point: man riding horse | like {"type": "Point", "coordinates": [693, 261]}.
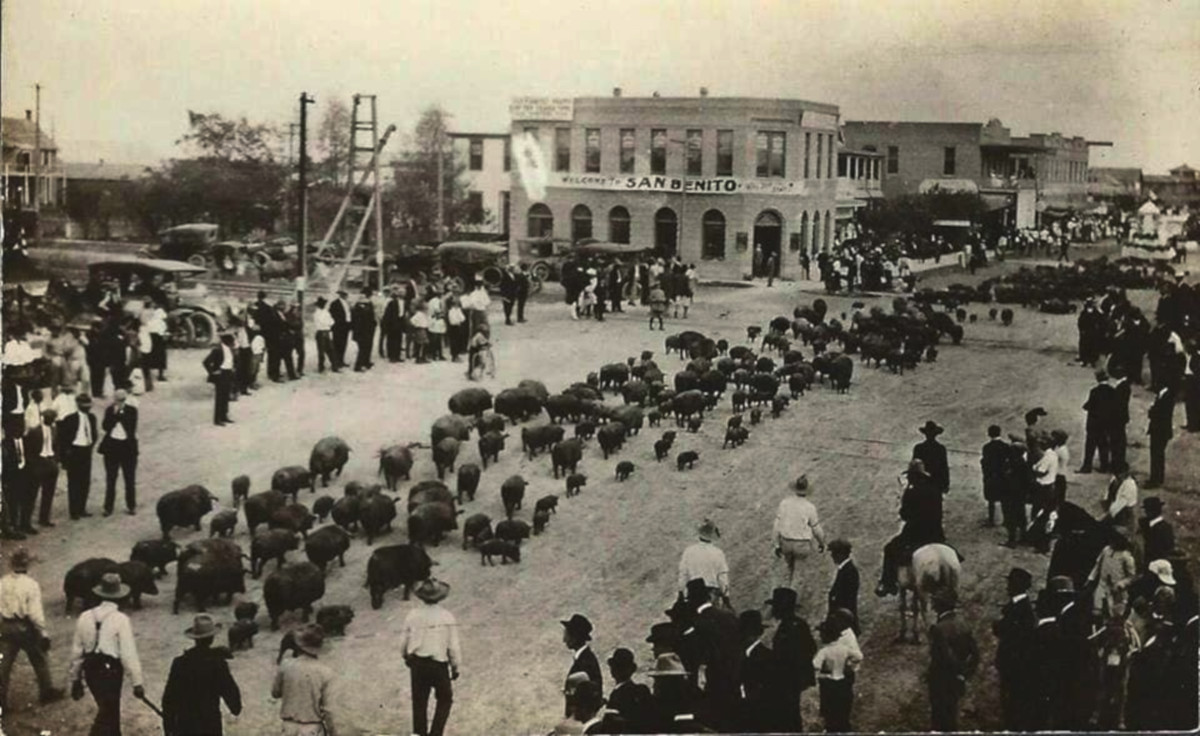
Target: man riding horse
{"type": "Point", "coordinates": [921, 512]}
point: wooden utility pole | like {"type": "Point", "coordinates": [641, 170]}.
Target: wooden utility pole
{"type": "Point", "coordinates": [37, 163]}
{"type": "Point", "coordinates": [441, 184]}
{"type": "Point", "coordinates": [302, 281]}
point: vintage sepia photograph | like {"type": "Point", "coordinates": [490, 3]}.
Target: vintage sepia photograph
{"type": "Point", "coordinates": [465, 368]}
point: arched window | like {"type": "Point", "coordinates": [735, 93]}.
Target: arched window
{"type": "Point", "coordinates": [714, 236]}
{"type": "Point", "coordinates": [666, 232]}
{"type": "Point", "coordinates": [618, 225]}
{"type": "Point", "coordinates": [581, 223]}
{"type": "Point", "coordinates": [541, 221]}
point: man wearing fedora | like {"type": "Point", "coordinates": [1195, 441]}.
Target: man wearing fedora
{"type": "Point", "coordinates": [77, 435]}
{"type": "Point", "coordinates": [339, 310]}
{"type": "Point", "coordinates": [933, 454]}
{"type": "Point", "coordinates": [1016, 651]}
{"type": "Point", "coordinates": [577, 632]}
{"type": "Point", "coordinates": [432, 652]}
{"type": "Point", "coordinates": [1158, 537]}
{"type": "Point", "coordinates": [844, 591]}
{"type": "Point", "coordinates": [793, 648]}
{"type": "Point", "coordinates": [755, 674]}
{"type": "Point", "coordinates": [41, 443]}
{"type": "Point", "coordinates": [719, 656]}
{"type": "Point", "coordinates": [1161, 429]}
{"type": "Point", "coordinates": [1101, 408]}
{"type": "Point", "coordinates": [953, 659]}
{"type": "Point", "coordinates": [219, 363]}
{"type": "Point", "coordinates": [362, 324]}
{"type": "Point", "coordinates": [629, 703]}
{"type": "Point", "coordinates": [103, 652]}
{"type": "Point", "coordinates": [921, 513]}
{"type": "Point", "coordinates": [797, 527]}
{"type": "Point", "coordinates": [705, 560]}
{"type": "Point", "coordinates": [304, 687]}
{"type": "Point", "coordinates": [120, 450]}
{"type": "Point", "coordinates": [674, 698]}
{"type": "Point", "coordinates": [23, 628]}
{"type": "Point", "coordinates": [200, 679]}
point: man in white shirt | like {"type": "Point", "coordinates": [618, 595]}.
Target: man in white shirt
{"type": "Point", "coordinates": [323, 325]}
{"type": "Point", "coordinates": [64, 402]}
{"type": "Point", "coordinates": [219, 364]}
{"type": "Point", "coordinates": [23, 628]}
{"type": "Point", "coordinates": [705, 560]}
{"type": "Point", "coordinates": [1045, 470]}
{"type": "Point", "coordinates": [1121, 500]}
{"type": "Point", "coordinates": [797, 527]}
{"type": "Point", "coordinates": [103, 652]}
{"type": "Point", "coordinates": [431, 650]}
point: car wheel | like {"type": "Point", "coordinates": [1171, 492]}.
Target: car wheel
{"type": "Point", "coordinates": [204, 330]}
{"type": "Point", "coordinates": [181, 333]}
{"type": "Point", "coordinates": [261, 258]}
{"type": "Point", "coordinates": [540, 271]}
{"type": "Point", "coordinates": [535, 285]}
{"type": "Point", "coordinates": [196, 259]}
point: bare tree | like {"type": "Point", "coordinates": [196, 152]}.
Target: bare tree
{"type": "Point", "coordinates": [333, 143]}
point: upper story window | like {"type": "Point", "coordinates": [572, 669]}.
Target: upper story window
{"type": "Point", "coordinates": [832, 153]}
{"type": "Point", "coordinates": [770, 153]}
{"type": "Point", "coordinates": [591, 158]}
{"type": "Point", "coordinates": [893, 160]}
{"type": "Point", "coordinates": [475, 162]}
{"type": "Point", "coordinates": [562, 149]}
{"type": "Point", "coordinates": [807, 152]}
{"type": "Point", "coordinates": [628, 150]}
{"type": "Point", "coordinates": [842, 160]}
{"type": "Point", "coordinates": [820, 153]}
{"type": "Point", "coordinates": [695, 153]}
{"type": "Point", "coordinates": [949, 165]}
{"type": "Point", "coordinates": [508, 154]}
{"type": "Point", "coordinates": [658, 151]}
{"type": "Point", "coordinates": [724, 153]}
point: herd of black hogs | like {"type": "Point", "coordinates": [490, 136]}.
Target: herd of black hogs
{"type": "Point", "coordinates": [761, 376]}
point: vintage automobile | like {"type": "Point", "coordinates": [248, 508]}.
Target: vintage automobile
{"type": "Point", "coordinates": [545, 256]}
{"type": "Point", "coordinates": [461, 261]}
{"type": "Point", "coordinates": [618, 251]}
{"type": "Point", "coordinates": [191, 243]}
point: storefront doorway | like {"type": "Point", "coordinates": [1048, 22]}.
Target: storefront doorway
{"type": "Point", "coordinates": [666, 233]}
{"type": "Point", "coordinates": [768, 237]}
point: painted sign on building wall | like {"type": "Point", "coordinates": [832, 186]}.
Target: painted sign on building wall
{"type": "Point", "coordinates": [542, 108]}
{"type": "Point", "coordinates": [678, 185]}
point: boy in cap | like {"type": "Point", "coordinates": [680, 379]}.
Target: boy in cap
{"type": "Point", "coordinates": [432, 652]}
{"type": "Point", "coordinates": [577, 632]}
{"type": "Point", "coordinates": [304, 685]}
{"type": "Point", "coordinates": [23, 628]}
{"type": "Point", "coordinates": [199, 680]}
{"type": "Point", "coordinates": [103, 652]}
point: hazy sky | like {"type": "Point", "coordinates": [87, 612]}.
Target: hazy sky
{"type": "Point", "coordinates": [119, 75]}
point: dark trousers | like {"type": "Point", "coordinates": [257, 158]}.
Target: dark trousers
{"type": "Point", "coordinates": [278, 351]}
{"type": "Point", "coordinates": [1117, 442]}
{"type": "Point", "coordinates": [78, 463]}
{"type": "Point", "coordinates": [944, 696]}
{"type": "Point", "coordinates": [429, 674]}
{"type": "Point", "coordinates": [785, 709]}
{"type": "Point", "coordinates": [104, 681]}
{"type": "Point", "coordinates": [297, 347]}
{"type": "Point", "coordinates": [1191, 401]}
{"type": "Point", "coordinates": [122, 460]}
{"type": "Point", "coordinates": [341, 336]}
{"type": "Point", "coordinates": [325, 351]}
{"type": "Point", "coordinates": [362, 360]}
{"type": "Point", "coordinates": [395, 343]}
{"type": "Point", "coordinates": [1158, 458]}
{"type": "Point", "coordinates": [1097, 441]}
{"type": "Point", "coordinates": [616, 301]}
{"type": "Point", "coordinates": [521, 308]}
{"type": "Point", "coordinates": [243, 361]}
{"type": "Point", "coordinates": [96, 374]}
{"type": "Point", "coordinates": [837, 697]}
{"type": "Point", "coordinates": [223, 383]}
{"type": "Point", "coordinates": [14, 491]}
{"type": "Point", "coordinates": [508, 310]}
{"type": "Point", "coordinates": [45, 481]}
{"type": "Point", "coordinates": [16, 636]}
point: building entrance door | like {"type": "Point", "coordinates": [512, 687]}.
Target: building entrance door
{"type": "Point", "coordinates": [768, 237]}
{"type": "Point", "coordinates": [666, 233]}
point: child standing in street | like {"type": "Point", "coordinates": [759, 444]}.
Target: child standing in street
{"type": "Point", "coordinates": [658, 306]}
{"type": "Point", "coordinates": [480, 353]}
{"type": "Point", "coordinates": [420, 328]}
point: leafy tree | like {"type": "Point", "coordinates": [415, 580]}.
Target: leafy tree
{"type": "Point", "coordinates": [415, 191]}
{"type": "Point", "coordinates": [333, 144]}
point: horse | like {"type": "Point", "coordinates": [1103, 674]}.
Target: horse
{"type": "Point", "coordinates": [1080, 541]}
{"type": "Point", "coordinates": [933, 567]}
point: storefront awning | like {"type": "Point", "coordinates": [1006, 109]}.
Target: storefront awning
{"type": "Point", "coordinates": [948, 185]}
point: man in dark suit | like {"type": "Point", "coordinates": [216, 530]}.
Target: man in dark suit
{"type": "Point", "coordinates": [1016, 652]}
{"type": "Point", "coordinates": [933, 454]}
{"type": "Point", "coordinates": [199, 680]}
{"type": "Point", "coordinates": [77, 434]}
{"type": "Point", "coordinates": [1158, 538]}
{"type": "Point", "coordinates": [720, 657]}
{"type": "Point", "coordinates": [793, 648]}
{"type": "Point", "coordinates": [362, 322]}
{"type": "Point", "coordinates": [339, 309]}
{"type": "Point", "coordinates": [755, 675]}
{"type": "Point", "coordinates": [953, 658]}
{"type": "Point", "coordinates": [120, 450]}
{"type": "Point", "coordinates": [1100, 408]}
{"type": "Point", "coordinates": [992, 461]}
{"type": "Point", "coordinates": [577, 632]}
{"type": "Point", "coordinates": [1120, 417]}
{"type": "Point", "coordinates": [15, 472]}
{"type": "Point", "coordinates": [1162, 417]}
{"type": "Point", "coordinates": [844, 591]}
{"type": "Point", "coordinates": [219, 364]}
{"type": "Point", "coordinates": [392, 326]}
{"type": "Point", "coordinates": [630, 703]}
{"type": "Point", "coordinates": [41, 446]}
{"type": "Point", "coordinates": [508, 291]}
{"type": "Point", "coordinates": [523, 285]}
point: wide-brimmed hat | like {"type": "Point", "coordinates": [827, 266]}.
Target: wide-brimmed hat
{"type": "Point", "coordinates": [917, 467]}
{"type": "Point", "coordinates": [668, 665]}
{"type": "Point", "coordinates": [578, 624]}
{"type": "Point", "coordinates": [111, 587]}
{"type": "Point", "coordinates": [751, 622]}
{"type": "Point", "coordinates": [1021, 575]}
{"type": "Point", "coordinates": [782, 598]}
{"type": "Point", "coordinates": [20, 559]}
{"type": "Point", "coordinates": [663, 633]}
{"type": "Point", "coordinates": [432, 591]}
{"type": "Point", "coordinates": [1152, 504]}
{"type": "Point", "coordinates": [622, 657]}
{"type": "Point", "coordinates": [203, 627]}
{"type": "Point", "coordinates": [931, 428]}
{"type": "Point", "coordinates": [800, 485]}
{"type": "Point", "coordinates": [679, 609]}
{"type": "Point", "coordinates": [1161, 569]}
{"type": "Point", "coordinates": [708, 530]}
{"type": "Point", "coordinates": [310, 638]}
{"type": "Point", "coordinates": [1061, 584]}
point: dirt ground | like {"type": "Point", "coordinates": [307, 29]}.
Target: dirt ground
{"type": "Point", "coordinates": [612, 552]}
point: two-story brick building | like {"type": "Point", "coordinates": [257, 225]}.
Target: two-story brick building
{"type": "Point", "coordinates": [708, 178]}
{"type": "Point", "coordinates": [488, 157]}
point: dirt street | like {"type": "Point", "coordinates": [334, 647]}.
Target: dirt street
{"type": "Point", "coordinates": [612, 552]}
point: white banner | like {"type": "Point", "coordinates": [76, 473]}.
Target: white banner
{"type": "Point", "coordinates": [692, 185]}
{"type": "Point", "coordinates": [542, 108]}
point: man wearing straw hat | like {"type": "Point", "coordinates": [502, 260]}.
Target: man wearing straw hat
{"type": "Point", "coordinates": [705, 560]}
{"type": "Point", "coordinates": [200, 679]}
{"type": "Point", "coordinates": [796, 527]}
{"type": "Point", "coordinates": [23, 628]}
{"type": "Point", "coordinates": [432, 652]}
{"type": "Point", "coordinates": [304, 685]}
{"type": "Point", "coordinates": [933, 454]}
{"type": "Point", "coordinates": [102, 653]}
